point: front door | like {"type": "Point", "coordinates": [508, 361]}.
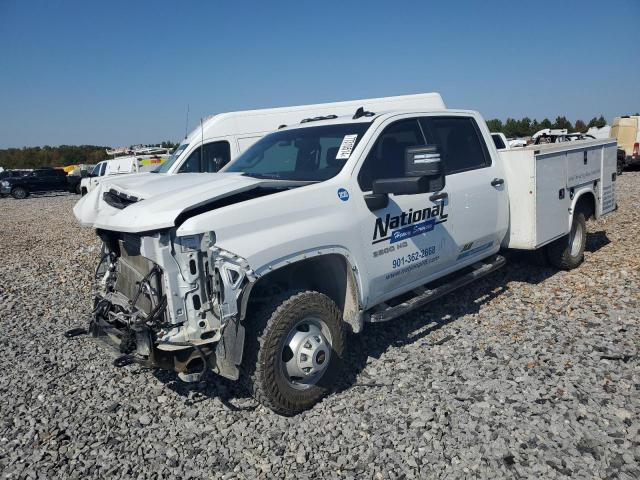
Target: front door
{"type": "Point", "coordinates": [409, 240]}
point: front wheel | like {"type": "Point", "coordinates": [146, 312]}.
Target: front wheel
{"type": "Point", "coordinates": [293, 352]}
{"type": "Point", "coordinates": [19, 193]}
{"type": "Point", "coordinates": [567, 252]}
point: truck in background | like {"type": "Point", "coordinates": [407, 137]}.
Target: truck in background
{"type": "Point", "coordinates": [319, 227]}
{"type": "Point", "coordinates": [626, 130]}
{"type": "Point", "coordinates": [121, 166]}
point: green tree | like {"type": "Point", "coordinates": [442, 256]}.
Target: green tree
{"type": "Point", "coordinates": [580, 126]}
{"type": "Point", "coordinates": [495, 125]}
{"type": "Point", "coordinates": [562, 122]}
{"type": "Point", "coordinates": [511, 127]}
{"type": "Point", "coordinates": [546, 123]}
{"type": "Point", "coordinates": [524, 127]}
{"type": "Point", "coordinates": [535, 126]}
{"type": "Point", "coordinates": [597, 122]}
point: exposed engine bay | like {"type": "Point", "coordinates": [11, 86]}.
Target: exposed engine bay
{"type": "Point", "coordinates": [171, 302]}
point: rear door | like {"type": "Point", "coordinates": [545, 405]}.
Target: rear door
{"type": "Point", "coordinates": [477, 201]}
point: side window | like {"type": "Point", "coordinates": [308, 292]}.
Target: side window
{"type": "Point", "coordinates": [386, 157]}
{"type": "Point", "coordinates": [102, 169]}
{"type": "Point", "coordinates": [498, 142]}
{"type": "Point", "coordinates": [459, 142]}
{"type": "Point", "coordinates": [216, 155]}
{"type": "Point", "coordinates": [191, 164]}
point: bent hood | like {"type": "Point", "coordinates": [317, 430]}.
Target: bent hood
{"type": "Point", "coordinates": [156, 200]}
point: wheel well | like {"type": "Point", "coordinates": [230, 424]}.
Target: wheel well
{"type": "Point", "coordinates": [587, 205]}
{"type": "Point", "coordinates": [330, 274]}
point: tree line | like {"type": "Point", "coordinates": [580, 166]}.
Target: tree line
{"type": "Point", "coordinates": [60, 156]}
{"type": "Point", "coordinates": [526, 127]}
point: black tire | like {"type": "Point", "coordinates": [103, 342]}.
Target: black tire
{"type": "Point", "coordinates": [83, 191]}
{"type": "Point", "coordinates": [19, 193]}
{"type": "Point", "coordinates": [77, 190]}
{"type": "Point", "coordinates": [567, 252]}
{"type": "Point", "coordinates": [263, 369]}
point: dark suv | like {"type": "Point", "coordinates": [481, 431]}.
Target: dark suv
{"type": "Point", "coordinates": [44, 180]}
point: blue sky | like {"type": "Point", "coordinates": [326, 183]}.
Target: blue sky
{"type": "Point", "coordinates": [116, 73]}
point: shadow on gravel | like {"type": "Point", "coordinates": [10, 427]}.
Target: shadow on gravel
{"type": "Point", "coordinates": [417, 326]}
{"type": "Point", "coordinates": [596, 240]}
{"type": "Point", "coordinates": [211, 387]}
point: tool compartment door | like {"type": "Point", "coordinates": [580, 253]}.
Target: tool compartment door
{"type": "Point", "coordinates": [607, 190]}
{"type": "Point", "coordinates": [552, 197]}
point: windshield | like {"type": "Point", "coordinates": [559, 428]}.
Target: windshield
{"type": "Point", "coordinates": [96, 169]}
{"type": "Point", "coordinates": [306, 154]}
{"type": "Point", "coordinates": [164, 167]}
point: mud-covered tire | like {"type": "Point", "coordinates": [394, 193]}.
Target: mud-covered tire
{"type": "Point", "coordinates": [19, 193]}
{"type": "Point", "coordinates": [263, 371]}
{"type": "Point", "coordinates": [567, 252]}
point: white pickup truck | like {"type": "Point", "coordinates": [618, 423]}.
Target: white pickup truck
{"type": "Point", "coordinates": [257, 272]}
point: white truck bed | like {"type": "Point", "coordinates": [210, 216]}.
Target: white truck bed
{"type": "Point", "coordinates": [542, 181]}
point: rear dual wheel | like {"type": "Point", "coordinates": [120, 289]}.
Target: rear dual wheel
{"type": "Point", "coordinates": [294, 351]}
{"type": "Point", "coordinates": [567, 252]}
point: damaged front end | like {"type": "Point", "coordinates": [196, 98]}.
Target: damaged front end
{"type": "Point", "coordinates": [172, 302]}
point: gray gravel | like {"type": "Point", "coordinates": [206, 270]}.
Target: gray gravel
{"type": "Point", "coordinates": [527, 373]}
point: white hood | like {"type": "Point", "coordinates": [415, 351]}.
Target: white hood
{"type": "Point", "coordinates": [161, 198]}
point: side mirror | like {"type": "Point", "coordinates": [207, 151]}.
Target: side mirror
{"type": "Point", "coordinates": [423, 174]}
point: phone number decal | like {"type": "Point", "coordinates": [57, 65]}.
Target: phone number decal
{"type": "Point", "coordinates": [413, 257]}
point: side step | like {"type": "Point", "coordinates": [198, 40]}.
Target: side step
{"type": "Point", "coordinates": [424, 295]}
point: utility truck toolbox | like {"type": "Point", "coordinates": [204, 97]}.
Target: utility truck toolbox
{"type": "Point", "coordinates": [546, 179]}
{"type": "Point", "coordinates": [256, 272]}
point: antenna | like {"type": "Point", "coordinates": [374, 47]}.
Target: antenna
{"type": "Point", "coordinates": [186, 124]}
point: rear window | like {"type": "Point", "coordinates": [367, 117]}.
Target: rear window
{"type": "Point", "coordinates": [459, 142]}
{"type": "Point", "coordinates": [497, 140]}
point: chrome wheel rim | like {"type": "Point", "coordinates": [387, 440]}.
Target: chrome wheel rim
{"type": "Point", "coordinates": [575, 239]}
{"type": "Point", "coordinates": [306, 353]}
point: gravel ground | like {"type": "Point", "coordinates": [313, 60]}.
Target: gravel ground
{"type": "Point", "coordinates": [526, 373]}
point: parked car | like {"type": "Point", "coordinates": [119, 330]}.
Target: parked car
{"type": "Point", "coordinates": [40, 180]}
{"type": "Point", "coordinates": [626, 130]}
{"type": "Point", "coordinates": [256, 272]}
{"type": "Point", "coordinates": [10, 174]}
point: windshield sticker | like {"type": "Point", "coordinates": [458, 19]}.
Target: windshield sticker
{"type": "Point", "coordinates": [348, 142]}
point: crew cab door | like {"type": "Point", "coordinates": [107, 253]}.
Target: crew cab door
{"type": "Point", "coordinates": [98, 173]}
{"type": "Point", "coordinates": [407, 240]}
{"type": "Point", "coordinates": [477, 201]}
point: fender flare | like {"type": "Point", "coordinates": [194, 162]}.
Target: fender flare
{"type": "Point", "coordinates": [354, 281]}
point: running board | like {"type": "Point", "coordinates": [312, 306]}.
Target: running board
{"type": "Point", "coordinates": [424, 295]}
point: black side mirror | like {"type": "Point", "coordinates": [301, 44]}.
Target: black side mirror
{"type": "Point", "coordinates": [423, 174]}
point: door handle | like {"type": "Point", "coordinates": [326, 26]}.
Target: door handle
{"type": "Point", "coordinates": [439, 196]}
{"type": "Point", "coordinates": [497, 181]}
